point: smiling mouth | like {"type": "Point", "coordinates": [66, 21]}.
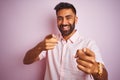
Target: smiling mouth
{"type": "Point", "coordinates": [65, 28]}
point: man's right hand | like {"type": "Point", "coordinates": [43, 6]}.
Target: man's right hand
{"type": "Point", "coordinates": [49, 42]}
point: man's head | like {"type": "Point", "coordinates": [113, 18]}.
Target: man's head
{"type": "Point", "coordinates": [66, 18]}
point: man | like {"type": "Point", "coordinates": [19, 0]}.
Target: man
{"type": "Point", "coordinates": [69, 56]}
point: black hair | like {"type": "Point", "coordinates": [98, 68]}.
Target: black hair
{"type": "Point", "coordinates": [64, 5]}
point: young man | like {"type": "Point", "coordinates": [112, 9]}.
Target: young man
{"type": "Point", "coordinates": [68, 56]}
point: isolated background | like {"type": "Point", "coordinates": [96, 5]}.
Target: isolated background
{"type": "Point", "coordinates": [24, 23]}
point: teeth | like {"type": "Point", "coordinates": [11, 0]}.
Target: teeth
{"type": "Point", "coordinates": [65, 28]}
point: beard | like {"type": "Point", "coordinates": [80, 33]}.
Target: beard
{"type": "Point", "coordinates": [67, 32]}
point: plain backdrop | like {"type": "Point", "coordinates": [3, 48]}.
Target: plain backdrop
{"type": "Point", "coordinates": [24, 23]}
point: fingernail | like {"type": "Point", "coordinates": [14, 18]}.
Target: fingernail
{"type": "Point", "coordinates": [53, 35]}
{"type": "Point", "coordinates": [84, 49]}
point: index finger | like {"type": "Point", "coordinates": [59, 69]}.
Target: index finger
{"type": "Point", "coordinates": [51, 36]}
{"type": "Point", "coordinates": [88, 52]}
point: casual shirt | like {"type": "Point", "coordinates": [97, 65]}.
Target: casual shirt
{"type": "Point", "coordinates": [61, 62]}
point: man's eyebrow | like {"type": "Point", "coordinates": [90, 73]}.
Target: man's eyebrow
{"type": "Point", "coordinates": [59, 16]}
{"type": "Point", "coordinates": [68, 16]}
{"type": "Point", "coordinates": [65, 16]}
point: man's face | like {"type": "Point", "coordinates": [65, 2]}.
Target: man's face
{"type": "Point", "coordinates": [66, 20]}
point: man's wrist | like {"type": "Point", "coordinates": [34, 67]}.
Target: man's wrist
{"type": "Point", "coordinates": [100, 69]}
{"type": "Point", "coordinates": [98, 72]}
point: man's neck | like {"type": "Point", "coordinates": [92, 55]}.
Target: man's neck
{"type": "Point", "coordinates": [67, 37]}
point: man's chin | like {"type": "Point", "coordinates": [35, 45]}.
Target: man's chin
{"type": "Point", "coordinates": [65, 34]}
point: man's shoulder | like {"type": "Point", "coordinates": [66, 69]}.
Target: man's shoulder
{"type": "Point", "coordinates": [84, 38]}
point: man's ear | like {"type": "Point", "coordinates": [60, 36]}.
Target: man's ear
{"type": "Point", "coordinates": [76, 19]}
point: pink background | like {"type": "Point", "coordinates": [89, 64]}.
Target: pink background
{"type": "Point", "coordinates": [25, 23]}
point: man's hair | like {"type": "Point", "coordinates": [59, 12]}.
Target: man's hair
{"type": "Point", "coordinates": [64, 5]}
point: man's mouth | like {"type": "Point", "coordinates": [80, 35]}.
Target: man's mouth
{"type": "Point", "coordinates": [65, 28]}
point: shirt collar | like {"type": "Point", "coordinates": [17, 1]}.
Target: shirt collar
{"type": "Point", "coordinates": [73, 38]}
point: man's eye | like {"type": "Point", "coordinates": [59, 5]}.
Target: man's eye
{"type": "Point", "coordinates": [69, 18]}
{"type": "Point", "coordinates": [59, 18]}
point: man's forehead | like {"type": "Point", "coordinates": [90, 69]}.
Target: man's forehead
{"type": "Point", "coordinates": [65, 12]}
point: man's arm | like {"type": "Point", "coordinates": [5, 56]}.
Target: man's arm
{"type": "Point", "coordinates": [32, 55]}
{"type": "Point", "coordinates": [47, 44]}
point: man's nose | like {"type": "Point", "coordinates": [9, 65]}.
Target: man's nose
{"type": "Point", "coordinates": [64, 22]}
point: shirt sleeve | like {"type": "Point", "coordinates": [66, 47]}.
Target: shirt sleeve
{"type": "Point", "coordinates": [42, 55]}
{"type": "Point", "coordinates": [92, 45]}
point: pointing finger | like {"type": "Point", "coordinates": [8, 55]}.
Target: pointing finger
{"type": "Point", "coordinates": [88, 52]}
{"type": "Point", "coordinates": [51, 36]}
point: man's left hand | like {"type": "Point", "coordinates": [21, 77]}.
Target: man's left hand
{"type": "Point", "coordinates": [85, 59]}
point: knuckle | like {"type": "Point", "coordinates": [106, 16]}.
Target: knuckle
{"type": "Point", "coordinates": [88, 71]}
{"type": "Point", "coordinates": [45, 44]}
{"type": "Point", "coordinates": [45, 41]}
{"type": "Point", "coordinates": [93, 60]}
{"type": "Point", "coordinates": [77, 60]}
{"type": "Point", "coordinates": [90, 65]}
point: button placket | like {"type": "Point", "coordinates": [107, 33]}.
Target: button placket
{"type": "Point", "coordinates": [63, 52]}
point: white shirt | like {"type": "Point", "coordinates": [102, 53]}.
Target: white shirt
{"type": "Point", "coordinates": [61, 62]}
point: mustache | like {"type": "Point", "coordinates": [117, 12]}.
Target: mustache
{"type": "Point", "coordinates": [63, 25]}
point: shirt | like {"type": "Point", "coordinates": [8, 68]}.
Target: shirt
{"type": "Point", "coordinates": [61, 62]}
